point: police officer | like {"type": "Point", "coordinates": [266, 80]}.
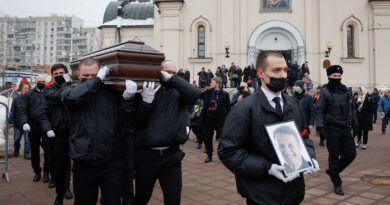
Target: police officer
{"type": "Point", "coordinates": [334, 115]}
{"type": "Point", "coordinates": [245, 148]}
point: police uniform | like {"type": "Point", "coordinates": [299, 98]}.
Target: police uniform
{"type": "Point", "coordinates": [334, 116]}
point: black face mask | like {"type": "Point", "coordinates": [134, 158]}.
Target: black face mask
{"type": "Point", "coordinates": [59, 79]}
{"type": "Point", "coordinates": [40, 86]}
{"type": "Point", "coordinates": [334, 82]}
{"type": "Point", "coordinates": [240, 88]}
{"type": "Point", "coordinates": [277, 84]}
{"type": "Point", "coordinates": [84, 79]}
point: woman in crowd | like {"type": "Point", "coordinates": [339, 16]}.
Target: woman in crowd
{"type": "Point", "coordinates": [364, 114]}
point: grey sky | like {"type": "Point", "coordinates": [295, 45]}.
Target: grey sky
{"type": "Point", "coordinates": [91, 11]}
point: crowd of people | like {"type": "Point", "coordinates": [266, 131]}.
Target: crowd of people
{"type": "Point", "coordinates": [105, 138]}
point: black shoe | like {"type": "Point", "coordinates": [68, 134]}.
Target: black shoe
{"type": "Point", "coordinates": [322, 143]}
{"type": "Point", "coordinates": [27, 156]}
{"type": "Point", "coordinates": [59, 200]}
{"type": "Point", "coordinates": [68, 194]}
{"type": "Point", "coordinates": [45, 177]}
{"type": "Point", "coordinates": [199, 146]}
{"type": "Point", "coordinates": [16, 154]}
{"type": "Point", "coordinates": [37, 177]}
{"type": "Point", "coordinates": [208, 159]}
{"type": "Point", "coordinates": [339, 190]}
{"type": "Point", "coordinates": [52, 183]}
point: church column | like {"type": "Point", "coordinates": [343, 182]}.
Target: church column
{"type": "Point", "coordinates": [170, 28]}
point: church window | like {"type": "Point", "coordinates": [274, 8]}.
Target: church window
{"type": "Point", "coordinates": [201, 42]}
{"type": "Point", "coordinates": [350, 41]}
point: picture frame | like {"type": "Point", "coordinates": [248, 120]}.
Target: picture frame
{"type": "Point", "coordinates": [275, 6]}
{"type": "Point", "coordinates": [289, 147]}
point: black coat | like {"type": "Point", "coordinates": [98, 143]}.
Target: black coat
{"type": "Point", "coordinates": [30, 110]}
{"type": "Point", "coordinates": [56, 111]}
{"type": "Point", "coordinates": [223, 106]}
{"type": "Point", "coordinates": [307, 105]}
{"type": "Point", "coordinates": [246, 150]}
{"type": "Point", "coordinates": [94, 120]}
{"type": "Point", "coordinates": [167, 123]}
{"type": "Point", "coordinates": [364, 114]}
{"type": "Point", "coordinates": [13, 112]}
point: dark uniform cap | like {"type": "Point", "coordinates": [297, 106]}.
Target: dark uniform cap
{"type": "Point", "coordinates": [334, 69]}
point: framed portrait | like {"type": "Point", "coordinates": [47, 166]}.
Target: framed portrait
{"type": "Point", "coordinates": [275, 6]}
{"type": "Point", "coordinates": [289, 147]}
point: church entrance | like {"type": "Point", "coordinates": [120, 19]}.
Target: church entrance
{"type": "Point", "coordinates": [277, 36]}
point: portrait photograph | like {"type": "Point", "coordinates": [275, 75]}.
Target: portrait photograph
{"type": "Point", "coordinates": [275, 5]}
{"type": "Point", "coordinates": [289, 147]}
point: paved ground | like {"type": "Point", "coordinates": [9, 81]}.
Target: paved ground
{"type": "Point", "coordinates": [213, 184]}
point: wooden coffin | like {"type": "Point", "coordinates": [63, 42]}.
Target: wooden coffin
{"type": "Point", "coordinates": [129, 60]}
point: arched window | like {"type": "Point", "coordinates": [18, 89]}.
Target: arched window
{"type": "Point", "coordinates": [350, 41]}
{"type": "Point", "coordinates": [201, 42]}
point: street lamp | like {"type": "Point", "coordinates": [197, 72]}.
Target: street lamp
{"type": "Point", "coordinates": [227, 46]}
{"type": "Point", "coordinates": [329, 45]}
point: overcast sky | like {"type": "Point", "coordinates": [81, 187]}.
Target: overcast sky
{"type": "Point", "coordinates": [91, 11]}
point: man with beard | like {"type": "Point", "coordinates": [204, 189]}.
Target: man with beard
{"type": "Point", "coordinates": [334, 119]}
{"type": "Point", "coordinates": [245, 148]}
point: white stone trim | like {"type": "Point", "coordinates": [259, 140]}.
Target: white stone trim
{"type": "Point", "coordinates": [282, 28]}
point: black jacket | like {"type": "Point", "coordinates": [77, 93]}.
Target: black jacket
{"type": "Point", "coordinates": [364, 113]}
{"type": "Point", "coordinates": [223, 104]}
{"type": "Point", "coordinates": [246, 150]}
{"type": "Point", "coordinates": [307, 105]}
{"type": "Point", "coordinates": [325, 103]}
{"type": "Point", "coordinates": [54, 107]}
{"type": "Point", "coordinates": [30, 110]}
{"type": "Point", "coordinates": [13, 112]}
{"type": "Point", "coordinates": [94, 120]}
{"type": "Point", "coordinates": [168, 118]}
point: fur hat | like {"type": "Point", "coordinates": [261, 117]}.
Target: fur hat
{"type": "Point", "coordinates": [334, 69]}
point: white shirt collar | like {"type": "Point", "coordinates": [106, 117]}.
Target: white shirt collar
{"type": "Point", "coordinates": [270, 96]}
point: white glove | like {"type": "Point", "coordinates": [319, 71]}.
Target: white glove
{"type": "Point", "coordinates": [148, 92]}
{"type": "Point", "coordinates": [131, 89]}
{"type": "Point", "coordinates": [277, 171]}
{"type": "Point", "coordinates": [187, 130]}
{"type": "Point", "coordinates": [103, 72]}
{"type": "Point", "coordinates": [26, 127]}
{"type": "Point", "coordinates": [313, 170]}
{"type": "Point", "coordinates": [165, 76]}
{"type": "Point", "coordinates": [50, 134]}
{"type": "Point", "coordinates": [67, 78]}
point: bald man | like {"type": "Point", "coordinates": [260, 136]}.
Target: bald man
{"type": "Point", "coordinates": [158, 153]}
{"type": "Point", "coordinates": [37, 123]}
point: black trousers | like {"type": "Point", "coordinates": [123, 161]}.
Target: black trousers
{"type": "Point", "coordinates": [198, 133]}
{"type": "Point", "coordinates": [209, 125]}
{"type": "Point", "coordinates": [87, 179]}
{"type": "Point", "coordinates": [128, 173]}
{"type": "Point", "coordinates": [150, 166]}
{"type": "Point", "coordinates": [37, 139]}
{"type": "Point", "coordinates": [342, 152]}
{"type": "Point", "coordinates": [365, 135]}
{"type": "Point", "coordinates": [59, 161]}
